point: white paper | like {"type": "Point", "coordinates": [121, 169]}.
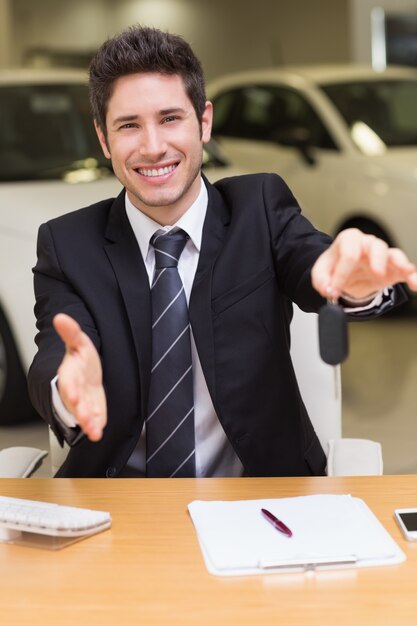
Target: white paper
{"type": "Point", "coordinates": [235, 537]}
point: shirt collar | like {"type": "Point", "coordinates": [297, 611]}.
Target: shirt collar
{"type": "Point", "coordinates": [191, 222]}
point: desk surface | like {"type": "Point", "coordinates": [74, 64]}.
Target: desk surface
{"type": "Point", "coordinates": [148, 568]}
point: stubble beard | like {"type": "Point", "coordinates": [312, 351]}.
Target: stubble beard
{"type": "Point", "coordinates": [165, 198]}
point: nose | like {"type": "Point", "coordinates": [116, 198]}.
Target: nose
{"type": "Point", "coordinates": [152, 143]}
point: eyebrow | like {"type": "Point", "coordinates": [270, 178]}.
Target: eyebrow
{"type": "Point", "coordinates": [132, 118]}
{"type": "Point", "coordinates": [124, 118]}
{"type": "Point", "coordinates": [172, 110]}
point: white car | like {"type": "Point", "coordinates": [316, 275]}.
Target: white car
{"type": "Point", "coordinates": [50, 163]}
{"type": "Point", "coordinates": [344, 138]}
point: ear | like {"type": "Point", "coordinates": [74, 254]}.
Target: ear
{"type": "Point", "coordinates": [206, 122]}
{"type": "Point", "coordinates": [102, 140]}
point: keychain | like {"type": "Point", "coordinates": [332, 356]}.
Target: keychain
{"type": "Point", "coordinates": [333, 334]}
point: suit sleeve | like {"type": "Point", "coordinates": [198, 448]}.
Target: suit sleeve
{"type": "Point", "coordinates": [295, 242]}
{"type": "Point", "coordinates": [297, 245]}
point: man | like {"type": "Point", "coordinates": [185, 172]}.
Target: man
{"type": "Point", "coordinates": [240, 253]}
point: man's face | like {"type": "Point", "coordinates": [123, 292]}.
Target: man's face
{"type": "Point", "coordinates": [155, 143]}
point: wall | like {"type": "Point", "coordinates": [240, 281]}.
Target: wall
{"type": "Point", "coordinates": [360, 23]}
{"type": "Point", "coordinates": [226, 34]}
{"type": "Point", "coordinates": [5, 33]}
{"type": "Point", "coordinates": [235, 34]}
{"type": "Point", "coordinates": [57, 24]}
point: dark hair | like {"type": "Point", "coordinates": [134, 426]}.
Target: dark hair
{"type": "Point", "coordinates": [143, 49]}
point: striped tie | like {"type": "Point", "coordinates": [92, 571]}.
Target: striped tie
{"type": "Point", "coordinates": [170, 443]}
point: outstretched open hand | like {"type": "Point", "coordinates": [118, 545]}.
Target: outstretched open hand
{"type": "Point", "coordinates": [80, 378]}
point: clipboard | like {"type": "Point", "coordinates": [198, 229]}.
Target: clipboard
{"type": "Point", "coordinates": [329, 532]}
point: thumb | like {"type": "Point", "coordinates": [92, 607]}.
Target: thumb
{"type": "Point", "coordinates": [69, 330]}
{"type": "Point", "coordinates": [322, 270]}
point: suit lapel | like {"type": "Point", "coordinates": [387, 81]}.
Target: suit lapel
{"type": "Point", "coordinates": [214, 231]}
{"type": "Point", "coordinates": [124, 255]}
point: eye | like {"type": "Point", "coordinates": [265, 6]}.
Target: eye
{"type": "Point", "coordinates": [127, 126]}
{"type": "Point", "coordinates": [170, 118]}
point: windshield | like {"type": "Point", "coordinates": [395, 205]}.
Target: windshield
{"type": "Point", "coordinates": [46, 132]}
{"type": "Point", "coordinates": [385, 109]}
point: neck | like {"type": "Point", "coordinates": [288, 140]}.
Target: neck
{"type": "Point", "coordinates": [164, 216]}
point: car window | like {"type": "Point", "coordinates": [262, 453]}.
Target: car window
{"type": "Point", "coordinates": [388, 108]}
{"type": "Point", "coordinates": [268, 113]}
{"type": "Point", "coordinates": [45, 130]}
{"type": "Point", "coordinates": [222, 107]}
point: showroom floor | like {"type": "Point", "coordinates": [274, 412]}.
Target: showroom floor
{"type": "Point", "coordinates": [379, 394]}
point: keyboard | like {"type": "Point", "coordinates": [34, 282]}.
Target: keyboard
{"type": "Point", "coordinates": [44, 518]}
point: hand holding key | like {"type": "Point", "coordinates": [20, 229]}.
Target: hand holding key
{"type": "Point", "coordinates": [358, 265]}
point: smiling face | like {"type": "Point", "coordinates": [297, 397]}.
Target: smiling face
{"type": "Point", "coordinates": [155, 143]}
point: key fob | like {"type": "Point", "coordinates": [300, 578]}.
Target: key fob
{"type": "Point", "coordinates": [333, 334]}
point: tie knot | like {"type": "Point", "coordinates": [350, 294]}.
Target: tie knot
{"type": "Point", "coordinates": [168, 248]}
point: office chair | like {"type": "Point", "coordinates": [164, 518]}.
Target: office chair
{"type": "Point", "coordinates": [320, 386]}
{"type": "Point", "coordinates": [58, 453]}
{"type": "Point", "coordinates": [20, 461]}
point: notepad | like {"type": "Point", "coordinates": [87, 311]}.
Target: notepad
{"type": "Point", "coordinates": [329, 531]}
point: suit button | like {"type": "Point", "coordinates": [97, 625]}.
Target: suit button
{"type": "Point", "coordinates": [111, 472]}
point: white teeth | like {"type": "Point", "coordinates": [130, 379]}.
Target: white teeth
{"type": "Point", "coordinates": [157, 172]}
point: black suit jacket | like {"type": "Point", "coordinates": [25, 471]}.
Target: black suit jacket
{"type": "Point", "coordinates": [256, 257]}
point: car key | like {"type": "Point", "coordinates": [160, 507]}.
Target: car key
{"type": "Point", "coordinates": [333, 334]}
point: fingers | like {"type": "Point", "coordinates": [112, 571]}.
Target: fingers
{"type": "Point", "coordinates": [362, 264]}
{"type": "Point", "coordinates": [359, 264]}
{"type": "Point", "coordinates": [89, 412]}
{"type": "Point", "coordinates": [86, 403]}
{"type": "Point", "coordinates": [376, 251]}
{"type": "Point", "coordinates": [347, 254]}
{"type": "Point", "coordinates": [412, 281]}
{"type": "Point", "coordinates": [90, 415]}
{"type": "Point", "coordinates": [402, 268]}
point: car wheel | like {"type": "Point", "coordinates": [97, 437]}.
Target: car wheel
{"type": "Point", "coordinates": [15, 406]}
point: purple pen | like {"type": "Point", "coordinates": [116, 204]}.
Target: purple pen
{"type": "Point", "coordinates": [276, 523]}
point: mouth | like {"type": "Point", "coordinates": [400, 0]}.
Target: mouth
{"type": "Point", "coordinates": [156, 172]}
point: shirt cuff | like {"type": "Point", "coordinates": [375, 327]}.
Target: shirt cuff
{"type": "Point", "coordinates": [351, 305]}
{"type": "Point", "coordinates": [61, 412]}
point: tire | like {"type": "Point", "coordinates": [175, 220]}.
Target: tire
{"type": "Point", "coordinates": [15, 406]}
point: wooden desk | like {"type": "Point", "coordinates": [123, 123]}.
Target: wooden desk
{"type": "Point", "coordinates": [148, 568]}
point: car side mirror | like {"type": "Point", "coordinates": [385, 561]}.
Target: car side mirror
{"type": "Point", "coordinates": [297, 137]}
{"type": "Point", "coordinates": [213, 155]}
